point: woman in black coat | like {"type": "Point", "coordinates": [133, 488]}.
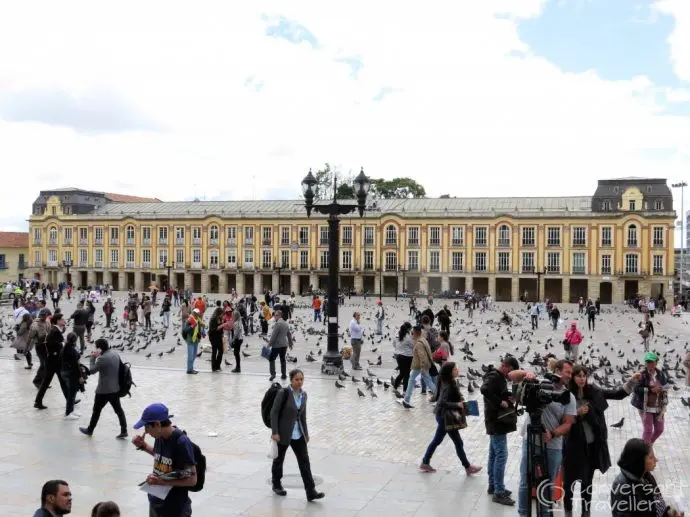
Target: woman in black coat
{"type": "Point", "coordinates": [586, 446]}
{"type": "Point", "coordinates": [71, 374]}
{"type": "Point", "coordinates": [635, 492]}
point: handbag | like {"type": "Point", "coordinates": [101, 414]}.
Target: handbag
{"type": "Point", "coordinates": [454, 419]}
{"type": "Point", "coordinates": [566, 344]}
{"type": "Point", "coordinates": [266, 352]}
{"type": "Point", "coordinates": [433, 371]}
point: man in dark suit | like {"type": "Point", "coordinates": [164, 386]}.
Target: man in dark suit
{"type": "Point", "coordinates": [289, 429]}
{"type": "Point", "coordinates": [279, 341]}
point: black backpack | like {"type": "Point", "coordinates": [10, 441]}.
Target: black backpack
{"type": "Point", "coordinates": [200, 461]}
{"type": "Point", "coordinates": [269, 399]}
{"type": "Point", "coordinates": [125, 379]}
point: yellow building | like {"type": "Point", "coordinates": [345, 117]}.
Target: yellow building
{"type": "Point", "coordinates": [14, 250]}
{"type": "Point", "coordinates": [614, 244]}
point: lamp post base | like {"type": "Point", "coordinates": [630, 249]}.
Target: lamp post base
{"type": "Point", "coordinates": [332, 364]}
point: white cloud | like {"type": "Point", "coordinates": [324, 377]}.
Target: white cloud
{"type": "Point", "coordinates": [679, 39]}
{"type": "Point", "coordinates": [465, 118]}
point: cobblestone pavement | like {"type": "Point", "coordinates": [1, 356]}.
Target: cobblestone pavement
{"type": "Point", "coordinates": [364, 451]}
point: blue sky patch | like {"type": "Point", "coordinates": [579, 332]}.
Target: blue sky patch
{"type": "Point", "coordinates": [289, 30]}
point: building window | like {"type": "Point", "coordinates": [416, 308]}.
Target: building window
{"type": "Point", "coordinates": [434, 236]}
{"type": "Point", "coordinates": [266, 235]}
{"type": "Point", "coordinates": [456, 261]}
{"type": "Point", "coordinates": [83, 257]}
{"type": "Point", "coordinates": [249, 237]}
{"type": "Point", "coordinates": [658, 264]}
{"type": "Point", "coordinates": [53, 211]}
{"type": "Point", "coordinates": [632, 236]}
{"type": "Point", "coordinates": [528, 234]}
{"type": "Point", "coordinates": [179, 235]}
{"type": "Point", "coordinates": [391, 261]}
{"type": "Point", "coordinates": [162, 234]}
{"type": "Point", "coordinates": [504, 261]}
{"type": "Point", "coordinates": [458, 236]}
{"type": "Point", "coordinates": [527, 262]}
{"type": "Point", "coordinates": [434, 260]}
{"type": "Point", "coordinates": [658, 236]}
{"type": "Point", "coordinates": [232, 259]}
{"type": "Point", "coordinates": [114, 234]}
{"type": "Point", "coordinates": [179, 258]}
{"type": "Point", "coordinates": [658, 204]}
{"type": "Point", "coordinates": [606, 205]}
{"type": "Point", "coordinates": [68, 235]}
{"type": "Point", "coordinates": [304, 235]}
{"type": "Point", "coordinates": [323, 259]}
{"type": "Point", "coordinates": [413, 236]}
{"type": "Point", "coordinates": [503, 236]}
{"type": "Point", "coordinates": [266, 259]}
{"type": "Point", "coordinates": [52, 236]}
{"type": "Point", "coordinates": [285, 236]}
{"type": "Point", "coordinates": [162, 258]}
{"type": "Point", "coordinates": [346, 259]}
{"type": "Point", "coordinates": [578, 263]}
{"type": "Point", "coordinates": [304, 259]}
{"type": "Point", "coordinates": [631, 263]}
{"type": "Point", "coordinates": [480, 237]}
{"type": "Point", "coordinates": [347, 235]}
{"type": "Point", "coordinates": [284, 258]}
{"type": "Point", "coordinates": [480, 261]}
{"type": "Point", "coordinates": [553, 236]}
{"type": "Point", "coordinates": [146, 234]}
{"type": "Point", "coordinates": [115, 258]}
{"type": "Point", "coordinates": [631, 205]}
{"type": "Point", "coordinates": [146, 258]}
{"type": "Point", "coordinates": [323, 235]}
{"type": "Point", "coordinates": [98, 235]}
{"type": "Point", "coordinates": [369, 259]}
{"type": "Point", "coordinates": [213, 259]}
{"type": "Point", "coordinates": [368, 235]}
{"type": "Point", "coordinates": [413, 261]}
{"type": "Point", "coordinates": [129, 234]}
{"type": "Point", "coordinates": [391, 235]}
{"type": "Point", "coordinates": [37, 258]}
{"type": "Point", "coordinates": [249, 258]}
{"type": "Point", "coordinates": [553, 262]}
{"type": "Point", "coordinates": [579, 236]}
{"type": "Point", "coordinates": [606, 264]}
{"type": "Point", "coordinates": [213, 234]}
{"type": "Point", "coordinates": [231, 235]}
{"type": "Point", "coordinates": [196, 257]}
{"type": "Point", "coordinates": [37, 236]}
{"type": "Point", "coordinates": [129, 257]}
{"type": "Point", "coordinates": [83, 236]}
{"type": "Point", "coordinates": [99, 257]}
{"type": "Point", "coordinates": [606, 233]}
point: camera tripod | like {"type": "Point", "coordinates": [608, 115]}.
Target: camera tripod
{"type": "Point", "coordinates": [537, 464]}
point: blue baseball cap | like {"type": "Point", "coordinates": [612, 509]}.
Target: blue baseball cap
{"type": "Point", "coordinates": [156, 412]}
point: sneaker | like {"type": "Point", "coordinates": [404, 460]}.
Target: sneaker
{"type": "Point", "coordinates": [315, 496]}
{"type": "Point", "coordinates": [503, 499]}
{"type": "Point", "coordinates": [71, 416]}
{"type": "Point", "coordinates": [236, 370]}
{"type": "Point", "coordinates": [398, 395]}
{"type": "Point", "coordinates": [85, 430]}
{"type": "Point", "coordinates": [279, 490]}
{"type": "Point", "coordinates": [425, 467]}
{"type": "Point", "coordinates": [406, 405]}
{"type": "Point", "coordinates": [472, 469]}
{"type": "Point", "coordinates": [122, 436]}
{"type": "Point", "coordinates": [40, 406]}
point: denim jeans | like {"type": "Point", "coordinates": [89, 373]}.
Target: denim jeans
{"type": "Point", "coordinates": [554, 459]}
{"type": "Point", "coordinates": [438, 438]}
{"type": "Point", "coordinates": [317, 315]}
{"type": "Point", "coordinates": [413, 379]}
{"type": "Point", "coordinates": [191, 355]}
{"type": "Point", "coordinates": [166, 318]}
{"type": "Point", "coordinates": [554, 322]}
{"type": "Point", "coordinates": [379, 327]}
{"type": "Point", "coordinates": [498, 457]}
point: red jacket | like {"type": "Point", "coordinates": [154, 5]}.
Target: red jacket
{"type": "Point", "coordinates": [574, 336]}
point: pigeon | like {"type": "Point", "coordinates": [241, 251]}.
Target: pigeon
{"type": "Point", "coordinates": [360, 393]}
{"type": "Point", "coordinates": [338, 385]}
{"type": "Point", "coordinates": [245, 354]}
{"type": "Point", "coordinates": [618, 425]}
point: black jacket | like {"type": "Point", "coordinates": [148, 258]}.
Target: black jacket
{"type": "Point", "coordinates": [80, 317]}
{"type": "Point", "coordinates": [430, 313]}
{"type": "Point", "coordinates": [632, 496]}
{"type": "Point", "coordinates": [69, 363]}
{"type": "Point", "coordinates": [495, 391]}
{"type": "Point", "coordinates": [54, 342]}
{"type": "Point", "coordinates": [443, 316]}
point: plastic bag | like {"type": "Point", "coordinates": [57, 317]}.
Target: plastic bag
{"type": "Point", "coordinates": [273, 454]}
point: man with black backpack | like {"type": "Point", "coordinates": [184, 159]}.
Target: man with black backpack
{"type": "Point", "coordinates": [591, 314]}
{"type": "Point", "coordinates": [177, 462]}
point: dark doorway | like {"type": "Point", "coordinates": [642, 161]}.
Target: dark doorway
{"type": "Point", "coordinates": [347, 282]}
{"type": "Point", "coordinates": [163, 282]}
{"type": "Point", "coordinates": [213, 283]}
{"type": "Point", "coordinates": [129, 282]}
{"type": "Point", "coordinates": [146, 280]}
{"type": "Point", "coordinates": [231, 280]}
{"type": "Point", "coordinates": [267, 282]}
{"type": "Point", "coordinates": [480, 285]}
{"type": "Point", "coordinates": [83, 278]}
{"type": "Point", "coordinates": [196, 282]}
{"type": "Point", "coordinates": [68, 277]}
{"type": "Point", "coordinates": [179, 281]}
{"type": "Point", "coordinates": [303, 285]}
{"type": "Point", "coordinates": [390, 285]}
{"type": "Point", "coordinates": [606, 292]}
{"type": "Point", "coordinates": [657, 289]}
{"type": "Point", "coordinates": [369, 284]}
{"type": "Point", "coordinates": [99, 278]}
{"type": "Point", "coordinates": [631, 289]}
{"type": "Point", "coordinates": [115, 281]}
{"type": "Point", "coordinates": [284, 286]}
{"type": "Point", "coordinates": [578, 289]}
{"type": "Point", "coordinates": [412, 284]}
{"type": "Point", "coordinates": [553, 290]}
{"type": "Point", "coordinates": [457, 283]}
{"type": "Point", "coordinates": [504, 289]}
{"type": "Point", "coordinates": [323, 282]}
{"type": "Point", "coordinates": [527, 289]}
{"type": "Point", "coordinates": [434, 285]}
{"type": "Point", "coordinates": [248, 283]}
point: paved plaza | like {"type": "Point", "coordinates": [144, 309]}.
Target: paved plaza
{"type": "Point", "coordinates": [364, 451]}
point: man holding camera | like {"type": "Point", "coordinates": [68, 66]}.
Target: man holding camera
{"type": "Point", "coordinates": [500, 418]}
{"type": "Point", "coordinates": [556, 418]}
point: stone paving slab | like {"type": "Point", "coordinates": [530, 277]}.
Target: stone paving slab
{"type": "Point", "coordinates": [365, 450]}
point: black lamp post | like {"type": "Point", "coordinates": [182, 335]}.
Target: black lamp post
{"type": "Point", "coordinates": [539, 274]}
{"type": "Point", "coordinates": [380, 271]}
{"type": "Point", "coordinates": [67, 264]}
{"type": "Point", "coordinates": [403, 271]}
{"type": "Point", "coordinates": [167, 266]}
{"type": "Point", "coordinates": [332, 361]}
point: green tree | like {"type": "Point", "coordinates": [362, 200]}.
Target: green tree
{"type": "Point", "coordinates": [346, 191]}
{"type": "Point", "coordinates": [397, 188]}
{"type": "Point", "coordinates": [324, 183]}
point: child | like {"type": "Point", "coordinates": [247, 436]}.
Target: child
{"type": "Point", "coordinates": [125, 318]}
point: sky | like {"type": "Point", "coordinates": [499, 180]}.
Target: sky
{"type": "Point", "coordinates": [237, 100]}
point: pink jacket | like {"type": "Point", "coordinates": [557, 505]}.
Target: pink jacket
{"type": "Point", "coordinates": [574, 336]}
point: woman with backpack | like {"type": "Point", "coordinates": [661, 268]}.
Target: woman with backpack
{"type": "Point", "coordinates": [289, 429]}
{"type": "Point", "coordinates": [450, 415]}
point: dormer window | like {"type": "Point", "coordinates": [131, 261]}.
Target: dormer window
{"type": "Point", "coordinates": [649, 189]}
{"type": "Point", "coordinates": [615, 190]}
{"type": "Point", "coordinates": [631, 205]}
{"type": "Point", "coordinates": [606, 205]}
{"type": "Point", "coordinates": [658, 204]}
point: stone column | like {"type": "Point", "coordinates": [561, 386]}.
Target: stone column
{"type": "Point", "coordinates": [542, 285]}
{"type": "Point", "coordinates": [222, 282]}
{"type": "Point", "coordinates": [204, 282]}
{"type": "Point", "coordinates": [445, 283]}
{"type": "Point", "coordinates": [276, 282]}
{"type": "Point", "coordinates": [618, 290]}
{"type": "Point", "coordinates": [258, 284]}
{"type": "Point", "coordinates": [138, 282]}
{"type": "Point", "coordinates": [188, 281]}
{"type": "Point", "coordinates": [424, 284]}
{"type": "Point", "coordinates": [121, 281]}
{"type": "Point", "coordinates": [239, 283]}
{"type": "Point", "coordinates": [314, 280]}
{"type": "Point", "coordinates": [514, 290]}
{"type": "Point", "coordinates": [294, 283]}
{"type": "Point", "coordinates": [469, 284]}
{"type": "Point", "coordinates": [359, 282]}
{"type": "Point", "coordinates": [566, 290]}
{"type": "Point", "coordinates": [593, 284]}
{"type": "Point", "coordinates": [492, 286]}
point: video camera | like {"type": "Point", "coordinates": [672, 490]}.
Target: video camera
{"type": "Point", "coordinates": [535, 394]}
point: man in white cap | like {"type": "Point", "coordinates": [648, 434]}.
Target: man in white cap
{"type": "Point", "coordinates": [193, 330]}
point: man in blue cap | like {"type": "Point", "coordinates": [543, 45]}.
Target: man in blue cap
{"type": "Point", "coordinates": [172, 453]}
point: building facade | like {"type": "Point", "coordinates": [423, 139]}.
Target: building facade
{"type": "Point", "coordinates": [14, 250]}
{"type": "Point", "coordinates": [612, 245]}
